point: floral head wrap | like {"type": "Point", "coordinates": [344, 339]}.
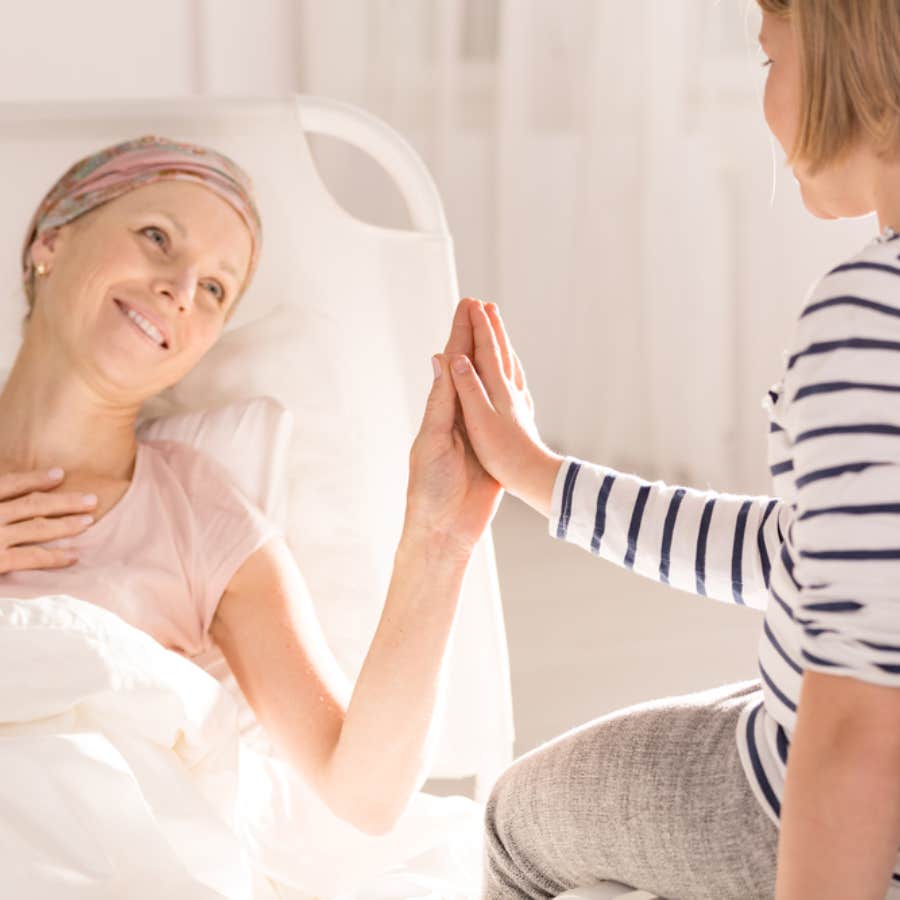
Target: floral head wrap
{"type": "Point", "coordinates": [115, 170]}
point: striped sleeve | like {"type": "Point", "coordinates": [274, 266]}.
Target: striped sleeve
{"type": "Point", "coordinates": [712, 544]}
{"type": "Point", "coordinates": [843, 419]}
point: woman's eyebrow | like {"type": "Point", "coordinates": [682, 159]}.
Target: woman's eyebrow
{"type": "Point", "coordinates": [225, 266]}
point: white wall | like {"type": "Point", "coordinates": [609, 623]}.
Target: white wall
{"type": "Point", "coordinates": [104, 49]}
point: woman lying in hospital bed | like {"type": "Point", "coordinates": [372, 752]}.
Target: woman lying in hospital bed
{"type": "Point", "coordinates": [132, 265]}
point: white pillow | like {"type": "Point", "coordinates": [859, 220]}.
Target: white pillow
{"type": "Point", "coordinates": [250, 438]}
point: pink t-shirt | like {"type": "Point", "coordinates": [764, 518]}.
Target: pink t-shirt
{"type": "Point", "coordinates": [164, 554]}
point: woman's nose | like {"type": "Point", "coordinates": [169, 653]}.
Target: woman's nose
{"type": "Point", "coordinates": [180, 290]}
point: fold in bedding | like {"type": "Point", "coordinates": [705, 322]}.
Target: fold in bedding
{"type": "Point", "coordinates": [122, 774]}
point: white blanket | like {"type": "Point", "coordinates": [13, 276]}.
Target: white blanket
{"type": "Point", "coordinates": [122, 774]}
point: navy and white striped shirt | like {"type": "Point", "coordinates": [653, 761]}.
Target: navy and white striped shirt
{"type": "Point", "coordinates": [822, 555]}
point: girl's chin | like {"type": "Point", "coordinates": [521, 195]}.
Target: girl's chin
{"type": "Point", "coordinates": [825, 199]}
{"type": "Point", "coordinates": [819, 213]}
{"type": "Point", "coordinates": [813, 205]}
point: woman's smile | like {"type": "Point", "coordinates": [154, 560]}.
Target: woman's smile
{"type": "Point", "coordinates": [143, 325]}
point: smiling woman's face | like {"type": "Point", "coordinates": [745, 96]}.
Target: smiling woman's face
{"type": "Point", "coordinates": [172, 254]}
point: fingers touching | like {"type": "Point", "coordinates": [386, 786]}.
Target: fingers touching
{"type": "Point", "coordinates": [493, 314]}
{"type": "Point", "coordinates": [488, 356]}
{"type": "Point", "coordinates": [478, 333]}
{"type": "Point", "coordinates": [460, 340]}
{"type": "Point", "coordinates": [474, 398]}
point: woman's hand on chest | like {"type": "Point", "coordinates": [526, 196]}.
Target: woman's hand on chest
{"type": "Point", "coordinates": [32, 512]}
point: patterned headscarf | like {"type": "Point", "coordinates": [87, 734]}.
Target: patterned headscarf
{"type": "Point", "coordinates": [115, 170]}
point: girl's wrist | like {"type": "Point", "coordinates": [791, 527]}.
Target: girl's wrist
{"type": "Point", "coordinates": [536, 478]}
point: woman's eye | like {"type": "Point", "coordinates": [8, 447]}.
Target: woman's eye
{"type": "Point", "coordinates": [768, 62]}
{"type": "Point", "coordinates": [221, 291]}
{"type": "Point", "coordinates": [154, 228]}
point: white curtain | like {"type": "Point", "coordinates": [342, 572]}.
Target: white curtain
{"type": "Point", "coordinates": [608, 178]}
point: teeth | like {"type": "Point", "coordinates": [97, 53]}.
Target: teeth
{"type": "Point", "coordinates": [147, 327]}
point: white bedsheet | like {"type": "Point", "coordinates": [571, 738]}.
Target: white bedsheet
{"type": "Point", "coordinates": [122, 774]}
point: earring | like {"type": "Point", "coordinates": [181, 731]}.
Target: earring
{"type": "Point", "coordinates": [41, 269]}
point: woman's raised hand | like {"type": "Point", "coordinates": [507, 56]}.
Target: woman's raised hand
{"type": "Point", "coordinates": [451, 499]}
{"type": "Point", "coordinates": [30, 514]}
{"type": "Point", "coordinates": [499, 411]}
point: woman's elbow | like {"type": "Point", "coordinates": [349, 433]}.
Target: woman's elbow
{"type": "Point", "coordinates": [364, 806]}
{"type": "Point", "coordinates": [378, 825]}
{"type": "Point", "coordinates": [368, 817]}
{"type": "Point", "coordinates": [357, 805]}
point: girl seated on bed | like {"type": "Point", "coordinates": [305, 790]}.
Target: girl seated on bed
{"type": "Point", "coordinates": [132, 265]}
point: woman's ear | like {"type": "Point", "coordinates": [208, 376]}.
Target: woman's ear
{"type": "Point", "coordinates": [45, 246]}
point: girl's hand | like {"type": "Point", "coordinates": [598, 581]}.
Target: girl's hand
{"type": "Point", "coordinates": [451, 498]}
{"type": "Point", "coordinates": [30, 515]}
{"type": "Point", "coordinates": [499, 411]}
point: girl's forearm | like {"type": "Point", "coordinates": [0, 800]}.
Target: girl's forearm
{"type": "Point", "coordinates": [381, 756]}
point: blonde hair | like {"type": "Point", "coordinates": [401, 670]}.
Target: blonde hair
{"type": "Point", "coordinates": [849, 52]}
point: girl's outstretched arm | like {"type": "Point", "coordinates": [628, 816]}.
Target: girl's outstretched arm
{"type": "Point", "coordinates": [713, 544]}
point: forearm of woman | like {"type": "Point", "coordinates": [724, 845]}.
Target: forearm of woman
{"type": "Point", "coordinates": [840, 821]}
{"type": "Point", "coordinates": [382, 753]}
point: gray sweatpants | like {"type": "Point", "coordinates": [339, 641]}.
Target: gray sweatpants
{"type": "Point", "coordinates": [652, 795]}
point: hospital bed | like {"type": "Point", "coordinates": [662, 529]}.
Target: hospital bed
{"type": "Point", "coordinates": [313, 394]}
